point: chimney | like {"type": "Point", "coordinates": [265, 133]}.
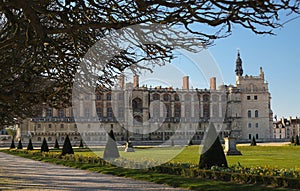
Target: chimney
{"type": "Point", "coordinates": [185, 84]}
{"type": "Point", "coordinates": [121, 81]}
{"type": "Point", "coordinates": [135, 81]}
{"type": "Point", "coordinates": [213, 83]}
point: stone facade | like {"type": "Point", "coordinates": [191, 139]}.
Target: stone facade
{"type": "Point", "coordinates": [160, 114]}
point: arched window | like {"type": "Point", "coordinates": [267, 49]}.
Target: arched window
{"type": "Point", "coordinates": [256, 113]}
{"type": "Point", "coordinates": [249, 113]}
{"type": "Point", "coordinates": [49, 112]}
{"type": "Point", "coordinates": [108, 96]}
{"type": "Point", "coordinates": [49, 139]}
{"type": "Point", "coordinates": [61, 113]}
{"type": "Point", "coordinates": [176, 97]}
{"type": "Point", "coordinates": [249, 125]}
{"type": "Point", "coordinates": [156, 97]}
{"type": "Point", "coordinates": [166, 97]}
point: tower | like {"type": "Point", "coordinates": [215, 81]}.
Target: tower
{"type": "Point", "coordinates": [238, 65]}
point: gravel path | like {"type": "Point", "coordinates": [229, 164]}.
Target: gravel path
{"type": "Point", "coordinates": [17, 173]}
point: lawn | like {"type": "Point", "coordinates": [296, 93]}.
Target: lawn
{"type": "Point", "coordinates": [273, 156]}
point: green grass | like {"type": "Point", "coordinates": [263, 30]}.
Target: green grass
{"type": "Point", "coordinates": [273, 156]}
{"type": "Point", "coordinates": [172, 180]}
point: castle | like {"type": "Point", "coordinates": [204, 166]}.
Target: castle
{"type": "Point", "coordinates": [156, 115]}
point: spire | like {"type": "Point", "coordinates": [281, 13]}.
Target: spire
{"type": "Point", "coordinates": [238, 65]}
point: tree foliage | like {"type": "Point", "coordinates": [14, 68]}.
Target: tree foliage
{"type": "Point", "coordinates": [81, 144]}
{"type": "Point", "coordinates": [297, 141]}
{"type": "Point", "coordinates": [253, 141]}
{"type": "Point", "coordinates": [56, 145]}
{"type": "Point", "coordinates": [12, 145]}
{"type": "Point", "coordinates": [111, 150]}
{"type": "Point", "coordinates": [44, 147]}
{"type": "Point", "coordinates": [30, 146]}
{"type": "Point", "coordinates": [20, 146]}
{"type": "Point", "coordinates": [212, 152]}
{"type": "Point", "coordinates": [43, 42]}
{"type": "Point", "coordinates": [67, 147]}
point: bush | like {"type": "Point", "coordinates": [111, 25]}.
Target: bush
{"type": "Point", "coordinates": [12, 145]}
{"type": "Point", "coordinates": [67, 147]}
{"type": "Point", "coordinates": [297, 140]}
{"type": "Point", "coordinates": [20, 146]}
{"type": "Point", "coordinates": [56, 145]}
{"type": "Point", "coordinates": [30, 146]}
{"type": "Point", "coordinates": [111, 150]}
{"type": "Point", "coordinates": [44, 147]}
{"type": "Point", "coordinates": [212, 152]}
{"type": "Point", "coordinates": [253, 142]}
{"type": "Point", "coordinates": [81, 144]}
{"type": "Point", "coordinates": [292, 140]}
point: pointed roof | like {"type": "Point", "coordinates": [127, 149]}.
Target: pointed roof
{"type": "Point", "coordinates": [238, 65]}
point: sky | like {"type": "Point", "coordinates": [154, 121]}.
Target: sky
{"type": "Point", "coordinates": [278, 55]}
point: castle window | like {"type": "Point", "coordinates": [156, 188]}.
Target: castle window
{"type": "Point", "coordinates": [87, 112]}
{"type": "Point", "coordinates": [249, 125]}
{"type": "Point", "coordinates": [177, 110]}
{"type": "Point", "coordinates": [108, 96]}
{"type": "Point", "coordinates": [109, 112]}
{"type": "Point", "coordinates": [250, 136]}
{"type": "Point", "coordinates": [60, 113]}
{"type": "Point", "coordinates": [62, 126]}
{"type": "Point", "coordinates": [98, 97]}
{"type": "Point", "coordinates": [256, 136]}
{"type": "Point", "coordinates": [256, 113]}
{"type": "Point", "coordinates": [39, 126]}
{"type": "Point", "coordinates": [49, 112]}
{"type": "Point", "coordinates": [75, 126]}
{"type": "Point", "coordinates": [176, 97]}
{"type": "Point", "coordinates": [206, 98]}
{"type": "Point", "coordinates": [248, 97]}
{"type": "Point", "coordinates": [255, 97]}
{"type": "Point", "coordinates": [49, 126]}
{"type": "Point", "coordinates": [166, 97]}
{"type": "Point", "coordinates": [49, 139]}
{"type": "Point", "coordinates": [99, 112]}
{"type": "Point", "coordinates": [256, 125]}
{"type": "Point", "coordinates": [249, 113]}
{"type": "Point", "coordinates": [156, 97]}
{"type": "Point", "coordinates": [39, 139]}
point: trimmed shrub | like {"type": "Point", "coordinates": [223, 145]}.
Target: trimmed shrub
{"type": "Point", "coordinates": [292, 140]}
{"type": "Point", "coordinates": [253, 142]}
{"type": "Point", "coordinates": [30, 146]}
{"type": "Point", "coordinates": [56, 145]}
{"type": "Point", "coordinates": [12, 145]}
{"type": "Point", "coordinates": [20, 146]}
{"type": "Point", "coordinates": [81, 144]}
{"type": "Point", "coordinates": [67, 147]}
{"type": "Point", "coordinates": [212, 151]}
{"type": "Point", "coordinates": [44, 147]}
{"type": "Point", "coordinates": [297, 140]}
{"type": "Point", "coordinates": [111, 150]}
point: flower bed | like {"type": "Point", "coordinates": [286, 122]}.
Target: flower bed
{"type": "Point", "coordinates": [287, 178]}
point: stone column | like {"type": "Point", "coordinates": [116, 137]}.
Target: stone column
{"type": "Point", "coordinates": [230, 146]}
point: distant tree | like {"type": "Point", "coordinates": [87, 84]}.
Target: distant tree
{"type": "Point", "coordinates": [81, 144]}
{"type": "Point", "coordinates": [30, 146]}
{"type": "Point", "coordinates": [297, 140]}
{"type": "Point", "coordinates": [56, 145]}
{"type": "Point", "coordinates": [12, 145]}
{"type": "Point", "coordinates": [67, 147]}
{"type": "Point", "coordinates": [111, 150]}
{"type": "Point", "coordinates": [253, 142]}
{"type": "Point", "coordinates": [20, 146]}
{"type": "Point", "coordinates": [292, 140]}
{"type": "Point", "coordinates": [44, 147]}
{"type": "Point", "coordinates": [44, 40]}
{"type": "Point", "coordinates": [212, 152]}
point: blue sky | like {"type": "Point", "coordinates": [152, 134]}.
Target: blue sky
{"type": "Point", "coordinates": [279, 56]}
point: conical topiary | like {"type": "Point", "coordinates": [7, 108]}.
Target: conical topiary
{"type": "Point", "coordinates": [297, 140]}
{"type": "Point", "coordinates": [56, 145]}
{"type": "Point", "coordinates": [44, 147]}
{"type": "Point", "coordinates": [30, 146]}
{"type": "Point", "coordinates": [81, 144]}
{"type": "Point", "coordinates": [292, 140]}
{"type": "Point", "coordinates": [67, 147]}
{"type": "Point", "coordinates": [111, 150]}
{"type": "Point", "coordinates": [212, 152]}
{"type": "Point", "coordinates": [20, 146]}
{"type": "Point", "coordinates": [253, 142]}
{"type": "Point", "coordinates": [12, 145]}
